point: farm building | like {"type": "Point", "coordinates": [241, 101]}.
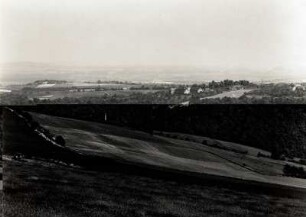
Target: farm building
{"type": "Point", "coordinates": [298, 87]}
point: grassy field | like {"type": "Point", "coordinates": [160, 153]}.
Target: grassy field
{"type": "Point", "coordinates": [37, 188]}
{"type": "Point", "coordinates": [139, 147]}
{"type": "Point", "coordinates": [42, 187]}
{"type": "Point", "coordinates": [210, 141]}
{"type": "Point", "coordinates": [65, 93]}
{"type": "Point", "coordinates": [232, 94]}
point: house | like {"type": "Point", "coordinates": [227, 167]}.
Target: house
{"type": "Point", "coordinates": [298, 87]}
{"type": "Point", "coordinates": [187, 90]}
{"type": "Point", "coordinates": [200, 90]}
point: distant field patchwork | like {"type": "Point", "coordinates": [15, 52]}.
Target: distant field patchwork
{"type": "Point", "coordinates": [231, 94]}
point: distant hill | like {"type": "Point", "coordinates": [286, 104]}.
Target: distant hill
{"type": "Point", "coordinates": [26, 72]}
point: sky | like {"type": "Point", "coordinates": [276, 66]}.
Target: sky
{"type": "Point", "coordinates": [262, 35]}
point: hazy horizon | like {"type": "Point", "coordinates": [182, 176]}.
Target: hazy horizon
{"type": "Point", "coordinates": [215, 39]}
{"type": "Point", "coordinates": [25, 72]}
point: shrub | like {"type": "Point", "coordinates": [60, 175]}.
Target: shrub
{"type": "Point", "coordinates": [294, 171]}
{"type": "Point", "coordinates": [259, 154]}
{"type": "Point", "coordinates": [276, 155]}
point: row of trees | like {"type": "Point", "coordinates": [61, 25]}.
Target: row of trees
{"type": "Point", "coordinates": [245, 99]}
{"type": "Point", "coordinates": [228, 83]}
{"type": "Point", "coordinates": [37, 82]}
{"type": "Point", "coordinates": [34, 125]}
{"type": "Point", "coordinates": [294, 171]}
{"type": "Point", "coordinates": [278, 90]}
{"type": "Point", "coordinates": [279, 129]}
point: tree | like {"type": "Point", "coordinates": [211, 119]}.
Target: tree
{"type": "Point", "coordinates": [294, 171]}
{"type": "Point", "coordinates": [194, 89]}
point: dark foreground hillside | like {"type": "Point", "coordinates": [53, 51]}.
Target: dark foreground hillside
{"type": "Point", "coordinates": [41, 181]}
{"type": "Point", "coordinates": [38, 188]}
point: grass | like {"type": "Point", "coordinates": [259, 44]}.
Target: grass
{"type": "Point", "coordinates": [216, 143]}
{"type": "Point", "coordinates": [36, 188]}
{"type": "Point", "coordinates": [139, 147]}
{"type": "Point", "coordinates": [232, 94]}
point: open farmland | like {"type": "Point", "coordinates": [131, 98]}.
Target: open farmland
{"type": "Point", "coordinates": [231, 94]}
{"type": "Point", "coordinates": [53, 95]}
{"type": "Point", "coordinates": [43, 188]}
{"type": "Point", "coordinates": [52, 91]}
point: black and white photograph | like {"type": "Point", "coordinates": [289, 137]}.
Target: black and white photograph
{"type": "Point", "coordinates": [152, 108]}
{"type": "Point", "coordinates": [153, 52]}
{"type": "Point", "coordinates": [154, 160]}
